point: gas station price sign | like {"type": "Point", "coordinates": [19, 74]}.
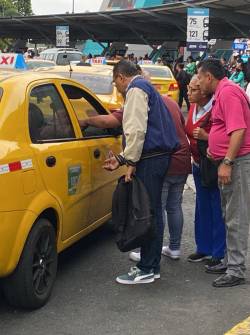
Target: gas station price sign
{"type": "Point", "coordinates": [197, 29]}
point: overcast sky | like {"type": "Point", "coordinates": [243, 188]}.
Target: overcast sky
{"type": "Point", "coordinates": [41, 7]}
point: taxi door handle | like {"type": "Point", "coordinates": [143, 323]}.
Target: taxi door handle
{"type": "Point", "coordinates": [97, 153]}
{"type": "Point", "coordinates": [51, 161]}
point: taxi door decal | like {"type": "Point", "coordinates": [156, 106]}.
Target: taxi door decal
{"type": "Point", "coordinates": [74, 173]}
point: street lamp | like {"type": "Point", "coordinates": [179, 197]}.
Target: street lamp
{"type": "Point", "coordinates": [73, 6]}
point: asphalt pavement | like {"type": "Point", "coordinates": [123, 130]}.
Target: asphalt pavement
{"type": "Point", "coordinates": [87, 301]}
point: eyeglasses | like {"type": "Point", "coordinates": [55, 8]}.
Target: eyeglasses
{"type": "Point", "coordinates": [193, 90]}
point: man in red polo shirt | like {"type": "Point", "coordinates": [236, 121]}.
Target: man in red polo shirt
{"type": "Point", "coordinates": [229, 141]}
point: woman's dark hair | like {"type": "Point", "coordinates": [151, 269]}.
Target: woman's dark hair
{"type": "Point", "coordinates": [180, 65]}
{"type": "Point", "coordinates": [126, 68]}
{"type": "Point", "coordinates": [190, 58]}
{"type": "Point", "coordinates": [214, 67]}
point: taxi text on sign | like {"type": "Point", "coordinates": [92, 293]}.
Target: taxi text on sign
{"type": "Point", "coordinates": [12, 61]}
{"type": "Point", "coordinates": [197, 29]}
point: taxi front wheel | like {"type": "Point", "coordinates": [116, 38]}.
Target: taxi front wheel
{"type": "Point", "coordinates": [31, 283]}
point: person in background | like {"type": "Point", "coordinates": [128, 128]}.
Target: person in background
{"type": "Point", "coordinates": [229, 143]}
{"type": "Point", "coordinates": [190, 66]}
{"type": "Point", "coordinates": [159, 61]}
{"type": "Point", "coordinates": [209, 225]}
{"type": "Point", "coordinates": [150, 140]}
{"type": "Point", "coordinates": [183, 80]}
{"type": "Point", "coordinates": [225, 66]}
{"type": "Point", "coordinates": [238, 76]}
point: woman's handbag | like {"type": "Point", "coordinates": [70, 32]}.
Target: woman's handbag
{"type": "Point", "coordinates": [208, 167]}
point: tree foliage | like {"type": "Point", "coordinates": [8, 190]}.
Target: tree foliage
{"type": "Point", "coordinates": [15, 7]}
{"type": "Point", "coordinates": [23, 7]}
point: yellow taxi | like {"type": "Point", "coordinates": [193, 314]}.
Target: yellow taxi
{"type": "Point", "coordinates": [54, 190]}
{"type": "Point", "coordinates": [98, 78]}
{"type": "Point", "coordinates": [163, 80]}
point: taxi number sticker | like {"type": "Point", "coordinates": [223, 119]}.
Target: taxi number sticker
{"type": "Point", "coordinates": [74, 173]}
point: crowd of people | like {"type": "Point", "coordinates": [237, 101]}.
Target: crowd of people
{"type": "Point", "coordinates": [159, 147]}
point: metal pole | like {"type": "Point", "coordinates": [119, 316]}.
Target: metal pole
{"type": "Point", "coordinates": [73, 7]}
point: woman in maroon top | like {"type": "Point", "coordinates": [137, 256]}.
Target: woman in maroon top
{"type": "Point", "coordinates": [209, 225]}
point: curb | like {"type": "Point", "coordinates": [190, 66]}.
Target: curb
{"type": "Point", "coordinates": [242, 328]}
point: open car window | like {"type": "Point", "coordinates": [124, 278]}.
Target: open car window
{"type": "Point", "coordinates": [48, 116]}
{"type": "Point", "coordinates": [86, 106]}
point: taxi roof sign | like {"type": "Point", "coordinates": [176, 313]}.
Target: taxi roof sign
{"type": "Point", "coordinates": [12, 61]}
{"type": "Point", "coordinates": [145, 62]}
{"type": "Point", "coordinates": [98, 61]}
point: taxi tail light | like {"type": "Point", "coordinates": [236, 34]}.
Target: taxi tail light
{"type": "Point", "coordinates": [173, 87]}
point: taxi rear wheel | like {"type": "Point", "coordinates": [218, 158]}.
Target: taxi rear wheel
{"type": "Point", "coordinates": [31, 283]}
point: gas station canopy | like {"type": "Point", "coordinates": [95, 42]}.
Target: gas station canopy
{"type": "Point", "coordinates": [229, 19]}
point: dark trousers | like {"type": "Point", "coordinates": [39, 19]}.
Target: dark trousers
{"type": "Point", "coordinates": [210, 234]}
{"type": "Point", "coordinates": [152, 172]}
{"type": "Point", "coordinates": [183, 95]}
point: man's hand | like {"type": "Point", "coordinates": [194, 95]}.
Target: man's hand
{"type": "Point", "coordinates": [129, 173]}
{"type": "Point", "coordinates": [111, 163]}
{"type": "Point", "coordinates": [200, 134]}
{"type": "Point", "coordinates": [209, 156]}
{"type": "Point", "coordinates": [224, 174]}
{"type": "Point", "coordinates": [83, 124]}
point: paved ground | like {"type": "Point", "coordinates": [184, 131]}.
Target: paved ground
{"type": "Point", "coordinates": [87, 301]}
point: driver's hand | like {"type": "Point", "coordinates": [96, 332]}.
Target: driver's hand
{"type": "Point", "coordinates": [83, 124]}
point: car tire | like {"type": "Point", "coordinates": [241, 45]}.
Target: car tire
{"type": "Point", "coordinates": [30, 285]}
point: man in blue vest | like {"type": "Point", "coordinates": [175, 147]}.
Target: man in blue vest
{"type": "Point", "coordinates": [150, 138]}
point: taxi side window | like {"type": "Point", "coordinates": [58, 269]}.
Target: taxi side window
{"type": "Point", "coordinates": [48, 117]}
{"type": "Point", "coordinates": [86, 106]}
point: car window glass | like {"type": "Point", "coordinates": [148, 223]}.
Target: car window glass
{"type": "Point", "coordinates": [67, 57]}
{"type": "Point", "coordinates": [99, 84]}
{"type": "Point", "coordinates": [48, 117]}
{"type": "Point", "coordinates": [162, 72]}
{"type": "Point", "coordinates": [85, 106]}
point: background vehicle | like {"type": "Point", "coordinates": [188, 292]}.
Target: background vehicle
{"type": "Point", "coordinates": [61, 56]}
{"type": "Point", "coordinates": [98, 78]}
{"type": "Point", "coordinates": [53, 187]}
{"type": "Point", "coordinates": [163, 80]}
{"type": "Point", "coordinates": [37, 63]}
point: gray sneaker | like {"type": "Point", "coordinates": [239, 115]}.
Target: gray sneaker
{"type": "Point", "coordinates": [173, 254]}
{"type": "Point", "coordinates": [136, 276]}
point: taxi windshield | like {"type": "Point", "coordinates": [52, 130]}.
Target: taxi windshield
{"type": "Point", "coordinates": [1, 93]}
{"type": "Point", "coordinates": [96, 83]}
{"type": "Point", "coordinates": [160, 72]}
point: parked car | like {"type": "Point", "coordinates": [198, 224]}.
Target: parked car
{"type": "Point", "coordinates": [163, 80]}
{"type": "Point", "coordinates": [98, 78]}
{"type": "Point", "coordinates": [54, 190]}
{"type": "Point", "coordinates": [38, 63]}
{"type": "Point", "coordinates": [61, 56]}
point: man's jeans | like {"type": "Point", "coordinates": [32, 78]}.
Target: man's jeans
{"type": "Point", "coordinates": [235, 199]}
{"type": "Point", "coordinates": [152, 171]}
{"type": "Point", "coordinates": [172, 204]}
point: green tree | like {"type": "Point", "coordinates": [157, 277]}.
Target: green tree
{"type": "Point", "coordinates": [7, 8]}
{"type": "Point", "coordinates": [23, 7]}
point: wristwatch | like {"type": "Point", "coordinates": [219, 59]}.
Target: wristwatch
{"type": "Point", "coordinates": [228, 161]}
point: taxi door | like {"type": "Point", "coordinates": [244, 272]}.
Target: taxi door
{"type": "Point", "coordinates": [64, 165]}
{"type": "Point", "coordinates": [99, 142]}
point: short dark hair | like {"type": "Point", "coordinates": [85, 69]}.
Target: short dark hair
{"type": "Point", "coordinates": [127, 68]}
{"type": "Point", "coordinates": [213, 66]}
{"type": "Point", "coordinates": [180, 65]}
